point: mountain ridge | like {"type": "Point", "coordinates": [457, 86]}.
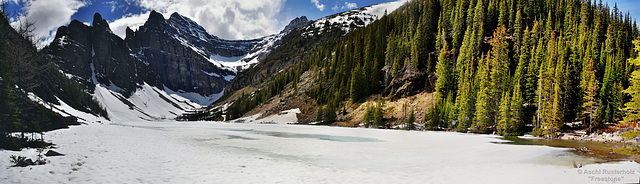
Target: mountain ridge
{"type": "Point", "coordinates": [174, 60]}
{"type": "Point", "coordinates": [287, 55]}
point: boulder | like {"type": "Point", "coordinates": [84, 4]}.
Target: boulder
{"type": "Point", "coordinates": [52, 153]}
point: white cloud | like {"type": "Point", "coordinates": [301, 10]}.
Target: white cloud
{"type": "Point", "coordinates": [133, 21]}
{"type": "Point", "coordinates": [318, 5]}
{"type": "Point", "coordinates": [346, 6]}
{"type": "Point", "coordinates": [228, 19]}
{"type": "Point", "coordinates": [113, 5]}
{"type": "Point", "coordinates": [48, 16]}
{"type": "Point", "coordinates": [349, 6]}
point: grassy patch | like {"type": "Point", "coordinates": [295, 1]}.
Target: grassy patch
{"type": "Point", "coordinates": [628, 150]}
{"type": "Point", "coordinates": [630, 134]}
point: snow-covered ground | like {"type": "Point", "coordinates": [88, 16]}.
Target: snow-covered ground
{"type": "Point", "coordinates": [260, 50]}
{"type": "Point", "coordinates": [214, 152]}
{"type": "Point", "coordinates": [284, 117]}
{"type": "Point", "coordinates": [148, 103]}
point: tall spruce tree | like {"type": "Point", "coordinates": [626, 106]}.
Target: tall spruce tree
{"type": "Point", "coordinates": [516, 116]}
{"type": "Point", "coordinates": [633, 106]}
{"type": "Point", "coordinates": [589, 87]}
{"type": "Point", "coordinates": [504, 124]}
{"type": "Point", "coordinates": [444, 83]}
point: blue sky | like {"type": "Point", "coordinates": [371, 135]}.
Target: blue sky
{"type": "Point", "coordinates": [228, 19]}
{"type": "Point", "coordinates": [632, 6]}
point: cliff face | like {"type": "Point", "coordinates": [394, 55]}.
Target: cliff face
{"type": "Point", "coordinates": [295, 23]}
{"type": "Point", "coordinates": [153, 54]}
{"type": "Point", "coordinates": [176, 53]}
{"type": "Point", "coordinates": [175, 58]}
{"type": "Point", "coordinates": [170, 62]}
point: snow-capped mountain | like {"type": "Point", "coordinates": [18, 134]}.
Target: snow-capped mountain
{"type": "Point", "coordinates": [352, 19]}
{"type": "Point", "coordinates": [166, 67]}
{"type": "Point", "coordinates": [233, 55]}
{"type": "Point", "coordinates": [305, 38]}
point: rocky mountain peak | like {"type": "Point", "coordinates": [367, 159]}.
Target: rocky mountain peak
{"type": "Point", "coordinates": [297, 22]}
{"type": "Point", "coordinates": [186, 26]}
{"type": "Point", "coordinates": [99, 23]}
{"type": "Point", "coordinates": [62, 31]}
{"type": "Point", "coordinates": [155, 17]}
{"type": "Point", "coordinates": [175, 15]}
{"type": "Point", "coordinates": [175, 55]}
{"type": "Point", "coordinates": [129, 33]}
{"type": "Point", "coordinates": [75, 24]}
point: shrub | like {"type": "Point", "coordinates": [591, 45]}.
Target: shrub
{"type": "Point", "coordinates": [20, 161]}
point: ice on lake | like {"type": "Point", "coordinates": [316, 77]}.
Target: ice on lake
{"type": "Point", "coordinates": [216, 152]}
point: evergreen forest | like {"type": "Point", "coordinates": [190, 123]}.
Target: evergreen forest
{"type": "Point", "coordinates": [494, 65]}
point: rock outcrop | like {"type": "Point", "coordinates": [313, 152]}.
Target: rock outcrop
{"type": "Point", "coordinates": [162, 58]}
{"type": "Point", "coordinates": [295, 23]}
{"type": "Point", "coordinates": [163, 53]}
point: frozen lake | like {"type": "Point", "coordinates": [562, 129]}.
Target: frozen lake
{"type": "Point", "coordinates": [214, 152]}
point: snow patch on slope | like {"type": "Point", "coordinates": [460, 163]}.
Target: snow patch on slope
{"type": "Point", "coordinates": [148, 103]}
{"type": "Point", "coordinates": [65, 110]}
{"type": "Point", "coordinates": [239, 63]}
{"type": "Point", "coordinates": [194, 97]}
{"type": "Point", "coordinates": [352, 19]}
{"type": "Point", "coordinates": [284, 117]}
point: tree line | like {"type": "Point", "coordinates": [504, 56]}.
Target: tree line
{"type": "Point", "coordinates": [501, 65]}
{"type": "Point", "coordinates": [23, 71]}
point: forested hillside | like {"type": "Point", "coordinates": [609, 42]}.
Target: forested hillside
{"type": "Point", "coordinates": [25, 76]}
{"type": "Point", "coordinates": [494, 65]}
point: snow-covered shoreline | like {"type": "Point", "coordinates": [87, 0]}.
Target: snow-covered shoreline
{"type": "Point", "coordinates": [215, 152]}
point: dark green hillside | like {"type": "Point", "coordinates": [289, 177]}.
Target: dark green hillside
{"type": "Point", "coordinates": [24, 70]}
{"type": "Point", "coordinates": [494, 65]}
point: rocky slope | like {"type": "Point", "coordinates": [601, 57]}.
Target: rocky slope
{"type": "Point", "coordinates": [174, 61]}
{"type": "Point", "coordinates": [297, 45]}
{"type": "Point", "coordinates": [32, 90]}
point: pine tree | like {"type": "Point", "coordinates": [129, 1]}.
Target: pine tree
{"type": "Point", "coordinates": [357, 87]}
{"type": "Point", "coordinates": [418, 48]}
{"type": "Point", "coordinates": [516, 116]}
{"type": "Point", "coordinates": [459, 26]}
{"type": "Point", "coordinates": [443, 27]}
{"type": "Point", "coordinates": [329, 114]}
{"type": "Point", "coordinates": [546, 88]}
{"type": "Point", "coordinates": [485, 107]}
{"type": "Point", "coordinates": [555, 118]}
{"type": "Point", "coordinates": [444, 83]}
{"type": "Point", "coordinates": [412, 119]}
{"type": "Point", "coordinates": [390, 53]}
{"type": "Point", "coordinates": [517, 34]}
{"type": "Point", "coordinates": [609, 94]}
{"type": "Point", "coordinates": [465, 100]}
{"type": "Point", "coordinates": [367, 119]}
{"type": "Point", "coordinates": [448, 109]}
{"type": "Point", "coordinates": [504, 123]}
{"type": "Point", "coordinates": [378, 113]}
{"type": "Point", "coordinates": [12, 115]}
{"type": "Point", "coordinates": [560, 86]}
{"type": "Point", "coordinates": [499, 63]}
{"type": "Point", "coordinates": [319, 114]}
{"type": "Point", "coordinates": [469, 52]}
{"type": "Point", "coordinates": [502, 18]}
{"type": "Point", "coordinates": [494, 80]}
{"type": "Point", "coordinates": [478, 30]}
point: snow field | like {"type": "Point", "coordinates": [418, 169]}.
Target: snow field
{"type": "Point", "coordinates": [214, 152]}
